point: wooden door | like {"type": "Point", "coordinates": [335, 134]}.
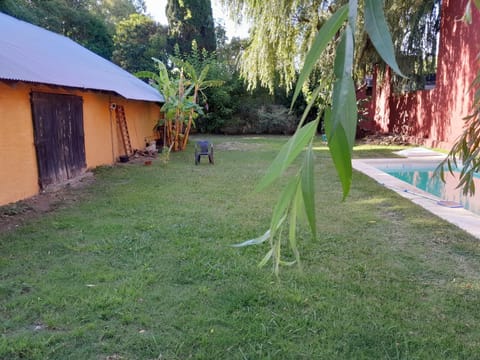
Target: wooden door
{"type": "Point", "coordinates": [59, 136]}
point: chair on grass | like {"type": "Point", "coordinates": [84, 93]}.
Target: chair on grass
{"type": "Point", "coordinates": [203, 148]}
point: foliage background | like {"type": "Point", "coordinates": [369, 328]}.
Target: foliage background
{"type": "Point", "coordinates": [120, 31]}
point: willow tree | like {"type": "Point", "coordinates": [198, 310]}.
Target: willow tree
{"type": "Point", "coordinates": [282, 32]}
{"type": "Point", "coordinates": [415, 29]}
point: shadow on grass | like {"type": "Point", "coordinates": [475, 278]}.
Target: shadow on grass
{"type": "Point", "coordinates": [363, 151]}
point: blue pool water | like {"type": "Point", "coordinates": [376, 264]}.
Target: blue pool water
{"type": "Point", "coordinates": [424, 178]}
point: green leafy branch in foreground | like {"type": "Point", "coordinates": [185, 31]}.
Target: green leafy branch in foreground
{"type": "Point", "coordinates": [340, 126]}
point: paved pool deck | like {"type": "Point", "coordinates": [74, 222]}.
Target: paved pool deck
{"type": "Point", "coordinates": [460, 217]}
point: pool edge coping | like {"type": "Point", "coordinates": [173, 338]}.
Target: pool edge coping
{"type": "Point", "coordinates": [464, 219]}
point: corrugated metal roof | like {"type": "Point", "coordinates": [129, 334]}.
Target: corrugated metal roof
{"type": "Point", "coordinates": [30, 53]}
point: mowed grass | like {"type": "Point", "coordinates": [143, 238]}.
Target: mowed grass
{"type": "Point", "coordinates": [141, 267]}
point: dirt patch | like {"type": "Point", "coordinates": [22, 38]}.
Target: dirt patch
{"type": "Point", "coordinates": [140, 157]}
{"type": "Point", "coordinates": [55, 197]}
{"type": "Point", "coordinates": [237, 146]}
{"type": "Point", "coordinates": [387, 139]}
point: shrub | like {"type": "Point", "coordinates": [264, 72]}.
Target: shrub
{"type": "Point", "coordinates": [275, 119]}
{"type": "Point", "coordinates": [262, 119]}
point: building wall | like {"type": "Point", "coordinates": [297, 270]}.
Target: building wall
{"type": "Point", "coordinates": [18, 164]}
{"type": "Point", "coordinates": [141, 118]}
{"type": "Point", "coordinates": [435, 117]}
{"type": "Point", "coordinates": [103, 146]}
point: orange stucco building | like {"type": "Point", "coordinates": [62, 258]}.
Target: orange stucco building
{"type": "Point", "coordinates": [34, 101]}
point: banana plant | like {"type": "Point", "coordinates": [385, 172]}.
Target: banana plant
{"type": "Point", "coordinates": [199, 83]}
{"type": "Point", "coordinates": [179, 106]}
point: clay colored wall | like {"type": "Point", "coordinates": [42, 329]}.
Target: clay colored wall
{"type": "Point", "coordinates": [435, 117]}
{"type": "Point", "coordinates": [141, 117]}
{"type": "Point", "coordinates": [18, 164]}
{"type": "Point", "coordinates": [103, 144]}
{"type": "Point", "coordinates": [97, 129]}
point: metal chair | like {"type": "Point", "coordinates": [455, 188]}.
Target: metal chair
{"type": "Point", "coordinates": [203, 148]}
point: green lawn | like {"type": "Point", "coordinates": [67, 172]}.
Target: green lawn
{"type": "Point", "coordinates": [141, 267]}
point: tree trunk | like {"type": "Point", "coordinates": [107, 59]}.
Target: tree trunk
{"type": "Point", "coordinates": [190, 120]}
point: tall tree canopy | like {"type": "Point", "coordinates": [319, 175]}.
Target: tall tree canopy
{"type": "Point", "coordinates": [137, 39]}
{"type": "Point", "coordinates": [114, 11]}
{"type": "Point", "coordinates": [283, 30]}
{"type": "Point", "coordinates": [75, 19]}
{"type": "Point", "coordinates": [190, 20]}
{"type": "Point", "coordinates": [92, 23]}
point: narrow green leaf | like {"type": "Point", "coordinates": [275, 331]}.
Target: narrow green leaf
{"type": "Point", "coordinates": [308, 189]}
{"type": "Point", "coordinates": [379, 33]}
{"type": "Point", "coordinates": [337, 143]}
{"type": "Point", "coordinates": [284, 201]}
{"type": "Point", "coordinates": [288, 153]}
{"type": "Point", "coordinates": [344, 110]}
{"type": "Point", "coordinates": [292, 234]}
{"type": "Point", "coordinates": [255, 241]}
{"type": "Point", "coordinates": [293, 223]}
{"type": "Point", "coordinates": [315, 94]}
{"type": "Point", "coordinates": [277, 254]}
{"type": "Point", "coordinates": [278, 225]}
{"type": "Point", "coordinates": [300, 205]}
{"type": "Point", "coordinates": [266, 258]}
{"type": "Point", "coordinates": [287, 263]}
{"type": "Point", "coordinates": [352, 13]}
{"type": "Point", "coordinates": [323, 37]}
{"type": "Point", "coordinates": [344, 57]}
{"type": "Point", "coordinates": [344, 102]}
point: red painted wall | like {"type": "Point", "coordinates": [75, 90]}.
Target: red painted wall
{"type": "Point", "coordinates": [435, 117]}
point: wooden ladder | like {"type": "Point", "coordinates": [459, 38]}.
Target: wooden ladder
{"type": "Point", "coordinates": [122, 124]}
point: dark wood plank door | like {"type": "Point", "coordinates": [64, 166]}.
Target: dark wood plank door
{"type": "Point", "coordinates": [59, 136]}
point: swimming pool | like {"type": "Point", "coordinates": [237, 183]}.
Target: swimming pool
{"type": "Point", "coordinates": [414, 169]}
{"type": "Point", "coordinates": [425, 178]}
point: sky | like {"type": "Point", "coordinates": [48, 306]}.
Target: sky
{"type": "Point", "coordinates": [156, 8]}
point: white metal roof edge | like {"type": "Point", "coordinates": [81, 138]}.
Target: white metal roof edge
{"type": "Point", "coordinates": [37, 55]}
